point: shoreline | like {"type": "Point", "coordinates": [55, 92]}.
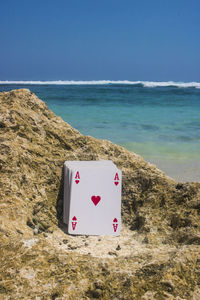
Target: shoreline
{"type": "Point", "coordinates": [178, 163]}
{"type": "Point", "coordinates": [180, 170]}
{"type": "Point", "coordinates": [169, 146]}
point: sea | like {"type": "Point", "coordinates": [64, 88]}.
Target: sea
{"type": "Point", "coordinates": [158, 120]}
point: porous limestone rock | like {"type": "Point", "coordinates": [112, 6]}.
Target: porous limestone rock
{"type": "Point", "coordinates": [158, 255]}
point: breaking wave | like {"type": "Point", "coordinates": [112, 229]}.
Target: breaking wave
{"type": "Point", "coordinates": [149, 84]}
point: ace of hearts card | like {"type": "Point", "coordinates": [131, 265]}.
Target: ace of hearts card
{"type": "Point", "coordinates": [94, 204]}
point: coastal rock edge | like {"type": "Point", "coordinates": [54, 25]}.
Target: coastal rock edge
{"type": "Point", "coordinates": [157, 254]}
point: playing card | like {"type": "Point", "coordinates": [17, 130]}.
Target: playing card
{"type": "Point", "coordinates": [92, 197]}
{"type": "Point", "coordinates": [67, 190]}
{"type": "Point", "coordinates": [68, 166]}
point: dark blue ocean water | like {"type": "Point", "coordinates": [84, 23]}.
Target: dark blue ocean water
{"type": "Point", "coordinates": [160, 123]}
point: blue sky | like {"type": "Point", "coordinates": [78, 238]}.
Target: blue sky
{"type": "Point", "coordinates": [93, 40]}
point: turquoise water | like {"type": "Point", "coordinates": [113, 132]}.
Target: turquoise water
{"type": "Point", "coordinates": [160, 123]}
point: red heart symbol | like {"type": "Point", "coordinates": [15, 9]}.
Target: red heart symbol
{"type": "Point", "coordinates": [95, 199]}
{"type": "Point", "coordinates": [77, 181]}
{"type": "Point", "coordinates": [116, 182]}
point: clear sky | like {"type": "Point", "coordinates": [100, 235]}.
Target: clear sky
{"type": "Point", "coordinates": [92, 40]}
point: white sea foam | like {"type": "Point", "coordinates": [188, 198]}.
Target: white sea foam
{"type": "Point", "coordinates": [170, 83]}
{"type": "Point", "coordinates": [106, 82]}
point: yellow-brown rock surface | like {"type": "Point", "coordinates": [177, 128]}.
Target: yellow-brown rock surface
{"type": "Point", "coordinates": [157, 255]}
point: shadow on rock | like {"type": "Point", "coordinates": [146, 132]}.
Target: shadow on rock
{"type": "Point", "coordinates": [59, 204]}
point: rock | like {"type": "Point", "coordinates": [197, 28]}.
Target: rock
{"type": "Point", "coordinates": [145, 240]}
{"type": "Point", "coordinates": [70, 247]}
{"type": "Point", "coordinates": [35, 231]}
{"type": "Point", "coordinates": [112, 253]}
{"type": "Point", "coordinates": [30, 223]}
{"type": "Point", "coordinates": [99, 284]}
{"type": "Point", "coordinates": [50, 229]}
{"type": "Point", "coordinates": [168, 286]}
{"type": "Point", "coordinates": [94, 294]}
{"type": "Point", "coordinates": [118, 248]}
{"type": "Point", "coordinates": [161, 219]}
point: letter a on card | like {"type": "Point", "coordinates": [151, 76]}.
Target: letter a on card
{"type": "Point", "coordinates": [116, 179]}
{"type": "Point", "coordinates": [77, 177]}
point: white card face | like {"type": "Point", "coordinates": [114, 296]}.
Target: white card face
{"type": "Point", "coordinates": [95, 201]}
{"type": "Point", "coordinates": [68, 167]}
